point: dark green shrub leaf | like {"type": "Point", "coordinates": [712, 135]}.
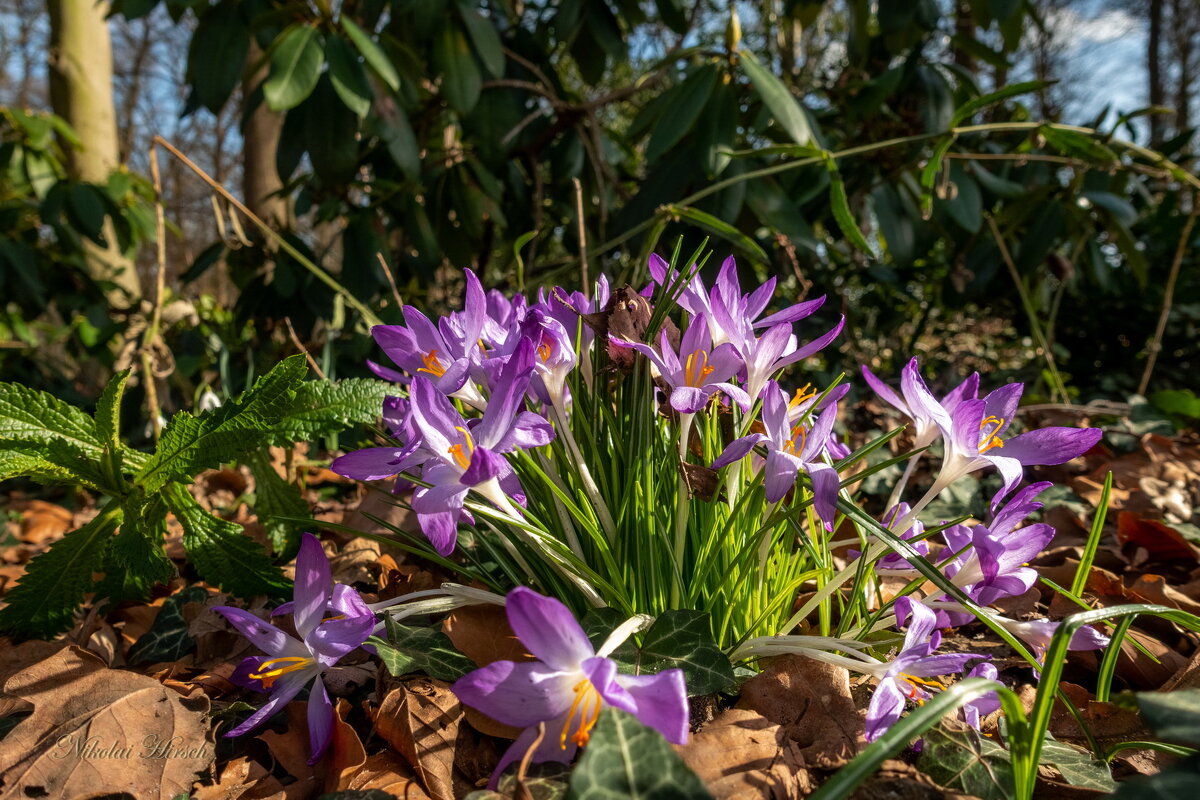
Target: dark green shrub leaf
{"type": "Point", "coordinates": [778, 98]}
{"type": "Point", "coordinates": [485, 39]}
{"type": "Point", "coordinates": [347, 75]}
{"type": "Point", "coordinates": [453, 60]}
{"type": "Point", "coordinates": [295, 67]}
{"type": "Point", "coordinates": [376, 59]}
{"type": "Point", "coordinates": [217, 54]}
{"type": "Point", "coordinates": [626, 759]}
{"type": "Point", "coordinates": [1173, 715]}
{"type": "Point", "coordinates": [682, 110]}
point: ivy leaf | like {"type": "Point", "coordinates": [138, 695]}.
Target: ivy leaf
{"type": "Point", "coordinates": [296, 60]}
{"type": "Point", "coordinates": [193, 443]}
{"type": "Point", "coordinates": [626, 759]}
{"type": "Point", "coordinates": [967, 762]}
{"type": "Point", "coordinates": [1174, 716]}
{"type": "Point", "coordinates": [273, 498]}
{"type": "Point", "coordinates": [684, 639]}
{"type": "Point", "coordinates": [1078, 767]}
{"type": "Point", "coordinates": [321, 408]}
{"type": "Point", "coordinates": [407, 650]}
{"type": "Point", "coordinates": [222, 553]}
{"type": "Point", "coordinates": [168, 638]}
{"type": "Point", "coordinates": [43, 603]}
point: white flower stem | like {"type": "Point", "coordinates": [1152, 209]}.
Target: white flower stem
{"type": "Point", "coordinates": [585, 475]}
{"type": "Point", "coordinates": [683, 510]}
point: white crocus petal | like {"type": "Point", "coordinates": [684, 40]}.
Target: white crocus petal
{"type": "Point", "coordinates": [638, 622]}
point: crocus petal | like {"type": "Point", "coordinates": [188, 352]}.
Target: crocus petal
{"type": "Point", "coordinates": [602, 672]}
{"type": "Point", "coordinates": [1002, 403]}
{"type": "Point", "coordinates": [661, 702]}
{"type": "Point", "coordinates": [737, 450]}
{"type": "Point", "coordinates": [441, 529]}
{"type": "Point", "coordinates": [547, 629]}
{"type": "Point", "coordinates": [922, 404]}
{"type": "Point", "coordinates": [282, 692]}
{"type": "Point", "coordinates": [779, 475]}
{"type": "Point", "coordinates": [386, 373]}
{"type": "Point", "coordinates": [528, 430]}
{"type": "Point", "coordinates": [919, 618]}
{"type": "Point", "coordinates": [508, 395]}
{"type": "Point", "coordinates": [816, 345]}
{"type": "Point", "coordinates": [967, 390]}
{"type": "Point", "coordinates": [370, 464]}
{"type": "Point", "coordinates": [320, 720]}
{"type": "Point", "coordinates": [1051, 445]}
{"type": "Point", "coordinates": [334, 638]}
{"type": "Point", "coordinates": [484, 466]}
{"type": "Point", "coordinates": [1011, 474]}
{"type": "Point", "coordinates": [793, 313]}
{"type": "Point", "coordinates": [689, 399]}
{"type": "Point", "coordinates": [263, 635]}
{"type": "Point", "coordinates": [241, 675]}
{"type": "Point", "coordinates": [735, 393]}
{"type": "Point", "coordinates": [885, 392]}
{"type": "Point", "coordinates": [825, 483]}
{"type": "Point", "coordinates": [518, 694]}
{"type": "Point", "coordinates": [348, 602]}
{"type": "Point", "coordinates": [887, 704]}
{"type": "Point", "coordinates": [313, 587]}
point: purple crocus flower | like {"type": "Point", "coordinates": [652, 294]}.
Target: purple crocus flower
{"type": "Point", "coordinates": [697, 371]}
{"type": "Point", "coordinates": [892, 562]}
{"type": "Point", "coordinates": [1037, 633]}
{"type": "Point", "coordinates": [929, 415]}
{"type": "Point", "coordinates": [567, 686]}
{"type": "Point", "coordinates": [292, 663]}
{"type": "Point", "coordinates": [790, 449]}
{"type": "Point", "coordinates": [975, 710]}
{"type": "Point", "coordinates": [975, 439]}
{"type": "Point", "coordinates": [912, 674]}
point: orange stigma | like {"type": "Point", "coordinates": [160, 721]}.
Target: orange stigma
{"type": "Point", "coordinates": [462, 452]}
{"type": "Point", "coordinates": [545, 350]}
{"type": "Point", "coordinates": [797, 440]}
{"type": "Point", "coordinates": [433, 365]}
{"type": "Point", "coordinates": [586, 706]}
{"type": "Point", "coordinates": [805, 392]}
{"type": "Point", "coordinates": [991, 439]}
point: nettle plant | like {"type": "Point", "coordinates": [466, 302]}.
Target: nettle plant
{"type": "Point", "coordinates": [52, 442]}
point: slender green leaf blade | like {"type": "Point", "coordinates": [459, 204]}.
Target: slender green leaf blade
{"type": "Point", "coordinates": [347, 75]}
{"type": "Point", "coordinates": [682, 112]}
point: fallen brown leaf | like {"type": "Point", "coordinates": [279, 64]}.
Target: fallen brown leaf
{"type": "Point", "coordinates": [812, 701]}
{"type": "Point", "coordinates": [421, 721]}
{"type": "Point", "coordinates": [742, 754]}
{"type": "Point", "coordinates": [98, 731]}
{"type": "Point", "coordinates": [482, 634]}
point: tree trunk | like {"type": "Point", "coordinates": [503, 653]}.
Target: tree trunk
{"type": "Point", "coordinates": [81, 92]}
{"type": "Point", "coordinates": [1154, 71]}
{"type": "Point", "coordinates": [260, 179]}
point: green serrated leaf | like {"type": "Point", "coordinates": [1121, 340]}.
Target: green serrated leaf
{"type": "Point", "coordinates": [168, 638]}
{"type": "Point", "coordinates": [684, 639]}
{"type": "Point", "coordinates": [409, 649]}
{"type": "Point", "coordinates": [967, 762]}
{"type": "Point", "coordinates": [376, 59]}
{"type": "Point", "coordinates": [108, 411]}
{"type": "Point", "coordinates": [275, 498]}
{"type": "Point", "coordinates": [296, 60]}
{"type": "Point", "coordinates": [135, 562]}
{"type": "Point", "coordinates": [626, 759]}
{"type": "Point", "coordinates": [190, 443]}
{"type": "Point", "coordinates": [44, 601]}
{"type": "Point", "coordinates": [224, 556]}
{"type": "Point", "coordinates": [30, 416]}
{"type": "Point", "coordinates": [321, 408]}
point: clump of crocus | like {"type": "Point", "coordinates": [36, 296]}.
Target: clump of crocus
{"type": "Point", "coordinates": [291, 662]}
{"type": "Point", "coordinates": [567, 686]}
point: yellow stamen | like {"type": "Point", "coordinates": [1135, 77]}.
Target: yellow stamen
{"type": "Point", "coordinates": [913, 682]}
{"type": "Point", "coordinates": [587, 703]}
{"type": "Point", "coordinates": [433, 364]}
{"type": "Point", "coordinates": [696, 369]}
{"type": "Point", "coordinates": [268, 672]}
{"type": "Point", "coordinates": [805, 392]}
{"type": "Point", "coordinates": [545, 350]}
{"type": "Point", "coordinates": [992, 439]}
{"type": "Point", "coordinates": [463, 459]}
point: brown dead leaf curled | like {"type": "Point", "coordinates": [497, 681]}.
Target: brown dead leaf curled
{"type": "Point", "coordinates": [98, 731]}
{"type": "Point", "coordinates": [742, 754]}
{"type": "Point", "coordinates": [811, 700]}
{"type": "Point", "coordinates": [482, 634]}
{"type": "Point", "coordinates": [421, 721]}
